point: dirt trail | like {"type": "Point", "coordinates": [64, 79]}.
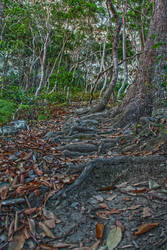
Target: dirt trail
{"type": "Point", "coordinates": [86, 172]}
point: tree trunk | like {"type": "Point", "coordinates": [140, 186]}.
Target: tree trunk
{"type": "Point", "coordinates": [147, 92]}
{"type": "Point", "coordinates": [102, 104]}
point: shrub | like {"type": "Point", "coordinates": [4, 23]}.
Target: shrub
{"type": "Point", "coordinates": [7, 110]}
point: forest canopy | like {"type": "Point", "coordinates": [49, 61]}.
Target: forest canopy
{"type": "Point", "coordinates": [62, 51]}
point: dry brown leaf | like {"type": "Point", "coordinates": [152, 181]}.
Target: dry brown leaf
{"type": "Point", "coordinates": [99, 198]}
{"type": "Point", "coordinates": [50, 223]}
{"type": "Point", "coordinates": [27, 156]}
{"type": "Point", "coordinates": [104, 206]}
{"type": "Point", "coordinates": [134, 207]}
{"type": "Point", "coordinates": [46, 230]}
{"type": "Point", "coordinates": [4, 193]}
{"type": "Point", "coordinates": [111, 198]}
{"type": "Point", "coordinates": [95, 245]}
{"type": "Point", "coordinates": [119, 224]}
{"type": "Point", "coordinates": [37, 171]}
{"type": "Point", "coordinates": [99, 230]}
{"type": "Point", "coordinates": [103, 214]}
{"type": "Point", "coordinates": [18, 242]}
{"type": "Point", "coordinates": [141, 190]}
{"type": "Point", "coordinates": [16, 222]}
{"type": "Point", "coordinates": [47, 247]}
{"type": "Point", "coordinates": [140, 183]}
{"type": "Point", "coordinates": [165, 183]}
{"type": "Point", "coordinates": [11, 229]}
{"type": "Point", "coordinates": [115, 211]}
{"type": "Point", "coordinates": [126, 198]}
{"type": "Point", "coordinates": [62, 245]}
{"type": "Point", "coordinates": [146, 212]}
{"type": "Point", "coordinates": [31, 224]}
{"type": "Point", "coordinates": [48, 214]}
{"type": "Point", "coordinates": [144, 228]}
{"type": "Point", "coordinates": [107, 188]}
{"type": "Point", "coordinates": [124, 184]}
{"type": "Point", "coordinates": [26, 233]}
{"type": "Point", "coordinates": [37, 192]}
{"type": "Point", "coordinates": [29, 211]}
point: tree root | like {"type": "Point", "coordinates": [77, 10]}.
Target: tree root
{"type": "Point", "coordinates": [115, 167]}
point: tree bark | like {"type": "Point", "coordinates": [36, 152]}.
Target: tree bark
{"type": "Point", "coordinates": [102, 104]}
{"type": "Point", "coordinates": [146, 93]}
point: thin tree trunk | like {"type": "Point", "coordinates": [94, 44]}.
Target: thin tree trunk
{"type": "Point", "coordinates": [101, 106]}
{"type": "Point", "coordinates": [124, 51]}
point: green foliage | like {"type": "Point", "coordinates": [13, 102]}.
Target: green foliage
{"type": "Point", "coordinates": [42, 116]}
{"type": "Point", "coordinates": [55, 97]}
{"type": "Point", "coordinates": [117, 87]}
{"type": "Point", "coordinates": [15, 94]}
{"type": "Point", "coordinates": [6, 111]}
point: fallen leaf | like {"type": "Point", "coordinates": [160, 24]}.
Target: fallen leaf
{"type": "Point", "coordinates": [140, 183]}
{"type": "Point", "coordinates": [37, 192]}
{"type": "Point", "coordinates": [115, 211]}
{"type": "Point", "coordinates": [37, 171]}
{"type": "Point", "coordinates": [103, 214]}
{"type": "Point", "coordinates": [107, 188]}
{"type": "Point", "coordinates": [29, 211]}
{"type": "Point", "coordinates": [134, 207]}
{"type": "Point", "coordinates": [46, 230]}
{"type": "Point", "coordinates": [104, 206]}
{"type": "Point", "coordinates": [95, 245]}
{"type": "Point", "coordinates": [99, 230]}
{"type": "Point", "coordinates": [47, 247]}
{"type": "Point", "coordinates": [99, 198]}
{"type": "Point", "coordinates": [126, 198]}
{"type": "Point", "coordinates": [11, 229]}
{"type": "Point", "coordinates": [48, 214]}
{"type": "Point", "coordinates": [114, 237]}
{"type": "Point", "coordinates": [27, 156]}
{"type": "Point", "coordinates": [50, 223]}
{"type": "Point", "coordinates": [144, 228]}
{"type": "Point", "coordinates": [165, 183]}
{"type": "Point", "coordinates": [62, 245]}
{"type": "Point", "coordinates": [111, 198]}
{"type": "Point", "coordinates": [124, 184]}
{"type": "Point", "coordinates": [146, 212]}
{"type": "Point", "coordinates": [4, 193]}
{"type": "Point", "coordinates": [31, 224]}
{"type": "Point", "coordinates": [18, 242]}
{"type": "Point", "coordinates": [141, 190]}
{"type": "Point", "coordinates": [153, 184]}
{"type": "Point", "coordinates": [119, 224]}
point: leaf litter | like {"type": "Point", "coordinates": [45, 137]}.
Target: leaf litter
{"type": "Point", "coordinates": [33, 170]}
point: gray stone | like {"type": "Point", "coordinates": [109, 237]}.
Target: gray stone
{"type": "Point", "coordinates": [13, 127]}
{"type": "Point", "coordinates": [79, 147]}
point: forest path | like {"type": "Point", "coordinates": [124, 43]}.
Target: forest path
{"type": "Point", "coordinates": [58, 186]}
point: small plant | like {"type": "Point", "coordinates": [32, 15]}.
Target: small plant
{"type": "Point", "coordinates": [7, 109]}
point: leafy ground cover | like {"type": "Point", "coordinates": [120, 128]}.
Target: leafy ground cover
{"type": "Point", "coordinates": [76, 182]}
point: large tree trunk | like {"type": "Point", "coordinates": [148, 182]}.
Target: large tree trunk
{"type": "Point", "coordinates": [146, 92]}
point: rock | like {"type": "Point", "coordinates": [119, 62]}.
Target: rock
{"type": "Point", "coordinates": [79, 147]}
{"type": "Point", "coordinates": [49, 135]}
{"type": "Point", "coordinates": [89, 123]}
{"type": "Point", "coordinates": [146, 120]}
{"type": "Point", "coordinates": [70, 154]}
{"type": "Point", "coordinates": [13, 127]}
{"type": "Point", "coordinates": [75, 205]}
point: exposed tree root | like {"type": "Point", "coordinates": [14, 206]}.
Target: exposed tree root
{"type": "Point", "coordinates": [115, 167]}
